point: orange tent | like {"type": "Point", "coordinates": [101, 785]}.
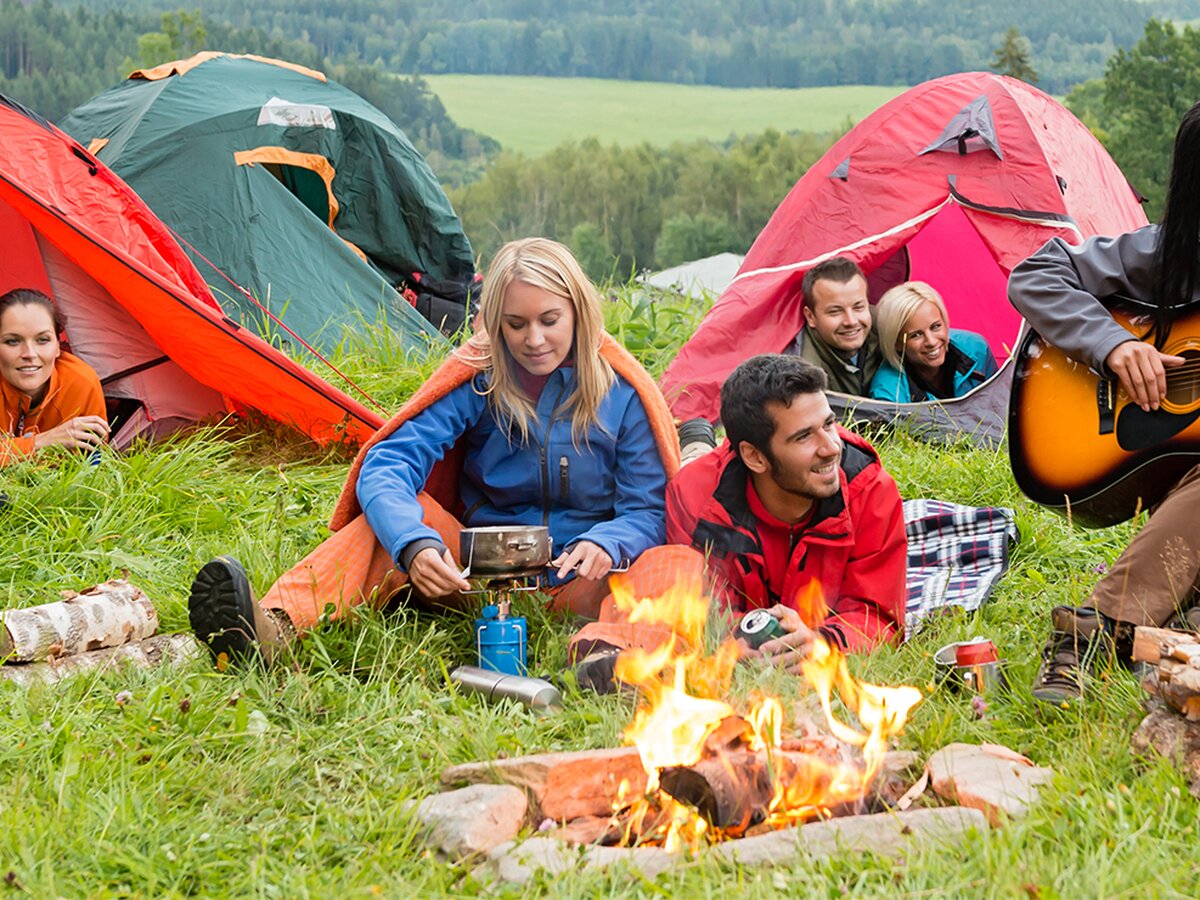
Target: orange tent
{"type": "Point", "coordinates": [137, 310]}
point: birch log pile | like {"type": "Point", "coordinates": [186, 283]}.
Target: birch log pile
{"type": "Point", "coordinates": [107, 615]}
{"type": "Point", "coordinates": [159, 650]}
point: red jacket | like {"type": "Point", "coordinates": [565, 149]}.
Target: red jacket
{"type": "Point", "coordinates": [852, 546]}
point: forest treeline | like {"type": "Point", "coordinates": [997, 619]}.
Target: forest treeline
{"type": "Point", "coordinates": [54, 57]}
{"type": "Point", "coordinates": [735, 43]}
{"type": "Point", "coordinates": [622, 209]}
{"type": "Point", "coordinates": [626, 209]}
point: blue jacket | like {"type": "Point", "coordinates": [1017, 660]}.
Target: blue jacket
{"type": "Point", "coordinates": [968, 355]}
{"type": "Point", "coordinates": [611, 490]}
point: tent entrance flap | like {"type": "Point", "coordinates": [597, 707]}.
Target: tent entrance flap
{"type": "Point", "coordinates": [308, 176]}
{"type": "Point", "coordinates": [306, 186]}
{"type": "Point", "coordinates": [949, 254]}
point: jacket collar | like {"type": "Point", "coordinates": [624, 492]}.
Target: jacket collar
{"type": "Point", "coordinates": [19, 402]}
{"type": "Point", "coordinates": [829, 514]}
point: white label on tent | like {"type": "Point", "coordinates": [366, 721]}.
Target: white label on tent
{"type": "Point", "coordinates": [292, 115]}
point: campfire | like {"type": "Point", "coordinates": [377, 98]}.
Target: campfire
{"type": "Point", "coordinates": [696, 772]}
{"type": "Point", "coordinates": [714, 772]}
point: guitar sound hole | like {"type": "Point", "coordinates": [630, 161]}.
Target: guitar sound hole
{"type": "Point", "coordinates": [1183, 382]}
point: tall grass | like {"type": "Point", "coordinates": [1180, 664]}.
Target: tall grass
{"type": "Point", "coordinates": [292, 782]}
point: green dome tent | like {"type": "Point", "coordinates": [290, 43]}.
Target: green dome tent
{"type": "Point", "coordinates": [291, 185]}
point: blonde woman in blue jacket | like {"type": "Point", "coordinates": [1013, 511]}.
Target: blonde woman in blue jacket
{"type": "Point", "coordinates": [924, 358]}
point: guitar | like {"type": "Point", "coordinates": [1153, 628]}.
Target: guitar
{"type": "Point", "coordinates": [1077, 442]}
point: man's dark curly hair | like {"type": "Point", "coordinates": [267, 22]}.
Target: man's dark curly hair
{"type": "Point", "coordinates": [769, 378]}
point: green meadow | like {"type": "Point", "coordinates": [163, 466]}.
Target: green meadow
{"type": "Point", "coordinates": [292, 782]}
{"type": "Point", "coordinates": [532, 115]}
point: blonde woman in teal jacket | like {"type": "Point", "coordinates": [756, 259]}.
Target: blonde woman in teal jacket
{"type": "Point", "coordinates": [924, 358]}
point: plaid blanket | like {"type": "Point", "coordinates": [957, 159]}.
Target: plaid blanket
{"type": "Point", "coordinates": [956, 555]}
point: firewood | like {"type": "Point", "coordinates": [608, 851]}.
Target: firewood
{"type": "Point", "coordinates": [161, 649]}
{"type": "Point", "coordinates": [732, 792]}
{"type": "Point", "coordinates": [1152, 644]}
{"type": "Point", "coordinates": [106, 615]}
{"type": "Point", "coordinates": [1174, 738]}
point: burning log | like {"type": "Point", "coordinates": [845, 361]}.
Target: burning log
{"type": "Point", "coordinates": [1174, 660]}
{"type": "Point", "coordinates": [730, 791]}
{"type": "Point", "coordinates": [736, 791]}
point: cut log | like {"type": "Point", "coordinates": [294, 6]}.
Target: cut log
{"type": "Point", "coordinates": [1152, 644]}
{"type": "Point", "coordinates": [1173, 738]}
{"type": "Point", "coordinates": [731, 792]}
{"type": "Point", "coordinates": [106, 615]}
{"type": "Point", "coordinates": [161, 649]}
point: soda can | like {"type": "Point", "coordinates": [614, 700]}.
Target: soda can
{"type": "Point", "coordinates": [758, 627]}
{"type": "Point", "coordinates": [500, 641]}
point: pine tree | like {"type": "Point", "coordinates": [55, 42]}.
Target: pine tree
{"type": "Point", "coordinates": [1012, 57]}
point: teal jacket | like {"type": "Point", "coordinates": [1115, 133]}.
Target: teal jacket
{"type": "Point", "coordinates": [968, 355]}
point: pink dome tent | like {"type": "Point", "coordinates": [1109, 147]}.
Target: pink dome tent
{"type": "Point", "coordinates": [954, 182]}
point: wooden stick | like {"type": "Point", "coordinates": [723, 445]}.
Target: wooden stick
{"type": "Point", "coordinates": [106, 615]}
{"type": "Point", "coordinates": [161, 649]}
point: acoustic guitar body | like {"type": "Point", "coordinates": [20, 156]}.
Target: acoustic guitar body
{"type": "Point", "coordinates": [1078, 444]}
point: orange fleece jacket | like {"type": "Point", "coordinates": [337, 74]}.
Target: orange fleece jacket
{"type": "Point", "coordinates": [74, 391]}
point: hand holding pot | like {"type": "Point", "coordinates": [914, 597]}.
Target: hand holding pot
{"type": "Point", "coordinates": [435, 574]}
{"type": "Point", "coordinates": [589, 560]}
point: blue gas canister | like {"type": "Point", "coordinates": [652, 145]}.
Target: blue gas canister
{"type": "Point", "coordinates": [500, 640]}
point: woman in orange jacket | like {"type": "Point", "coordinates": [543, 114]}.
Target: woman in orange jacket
{"type": "Point", "coordinates": [47, 396]}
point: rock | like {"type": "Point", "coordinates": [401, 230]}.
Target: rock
{"type": "Point", "coordinates": [993, 779]}
{"type": "Point", "coordinates": [564, 786]}
{"type": "Point", "coordinates": [473, 820]}
{"type": "Point", "coordinates": [586, 830]}
{"type": "Point", "coordinates": [887, 834]}
{"type": "Point", "coordinates": [518, 863]}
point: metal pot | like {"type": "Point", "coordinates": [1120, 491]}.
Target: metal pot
{"type": "Point", "coordinates": [505, 551]}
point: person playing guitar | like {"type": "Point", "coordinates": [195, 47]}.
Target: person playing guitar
{"type": "Point", "coordinates": [1059, 291]}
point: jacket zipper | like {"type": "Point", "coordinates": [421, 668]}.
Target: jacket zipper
{"type": "Point", "coordinates": [564, 478]}
{"type": "Point", "coordinates": [545, 468]}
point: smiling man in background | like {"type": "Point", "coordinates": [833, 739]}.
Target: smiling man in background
{"type": "Point", "coordinates": [838, 336]}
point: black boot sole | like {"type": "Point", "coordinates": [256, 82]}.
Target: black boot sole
{"type": "Point", "coordinates": [221, 611]}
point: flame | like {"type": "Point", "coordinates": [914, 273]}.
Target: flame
{"type": "Point", "coordinates": [682, 719]}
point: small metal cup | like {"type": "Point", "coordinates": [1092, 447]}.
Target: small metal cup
{"type": "Point", "coordinates": [984, 678]}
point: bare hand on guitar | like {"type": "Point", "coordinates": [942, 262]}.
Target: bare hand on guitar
{"type": "Point", "coordinates": [1141, 369]}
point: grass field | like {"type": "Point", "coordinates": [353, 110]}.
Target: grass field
{"type": "Point", "coordinates": [532, 115]}
{"type": "Point", "coordinates": [290, 782]}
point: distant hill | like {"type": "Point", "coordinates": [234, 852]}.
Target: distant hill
{"type": "Point", "coordinates": [734, 43]}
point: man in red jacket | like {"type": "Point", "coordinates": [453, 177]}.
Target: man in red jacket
{"type": "Point", "coordinates": [792, 513]}
{"type": "Point", "coordinates": [795, 514]}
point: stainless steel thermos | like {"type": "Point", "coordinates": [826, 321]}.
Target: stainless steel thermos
{"type": "Point", "coordinates": [533, 692]}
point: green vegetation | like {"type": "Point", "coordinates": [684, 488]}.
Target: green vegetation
{"type": "Point", "coordinates": [1136, 107]}
{"type": "Point", "coordinates": [533, 115]}
{"type": "Point", "coordinates": [53, 58]}
{"type": "Point", "coordinates": [292, 782]}
{"type": "Point", "coordinates": [628, 208]}
{"type": "Point", "coordinates": [736, 43]}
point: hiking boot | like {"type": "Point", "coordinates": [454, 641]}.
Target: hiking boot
{"type": "Point", "coordinates": [226, 617]}
{"type": "Point", "coordinates": [1188, 620]}
{"type": "Point", "coordinates": [598, 671]}
{"type": "Point", "coordinates": [1080, 635]}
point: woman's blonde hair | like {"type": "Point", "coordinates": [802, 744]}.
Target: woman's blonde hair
{"type": "Point", "coordinates": [893, 312]}
{"type": "Point", "coordinates": [545, 264]}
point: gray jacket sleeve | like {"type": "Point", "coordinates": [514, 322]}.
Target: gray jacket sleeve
{"type": "Point", "coordinates": [1058, 289]}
